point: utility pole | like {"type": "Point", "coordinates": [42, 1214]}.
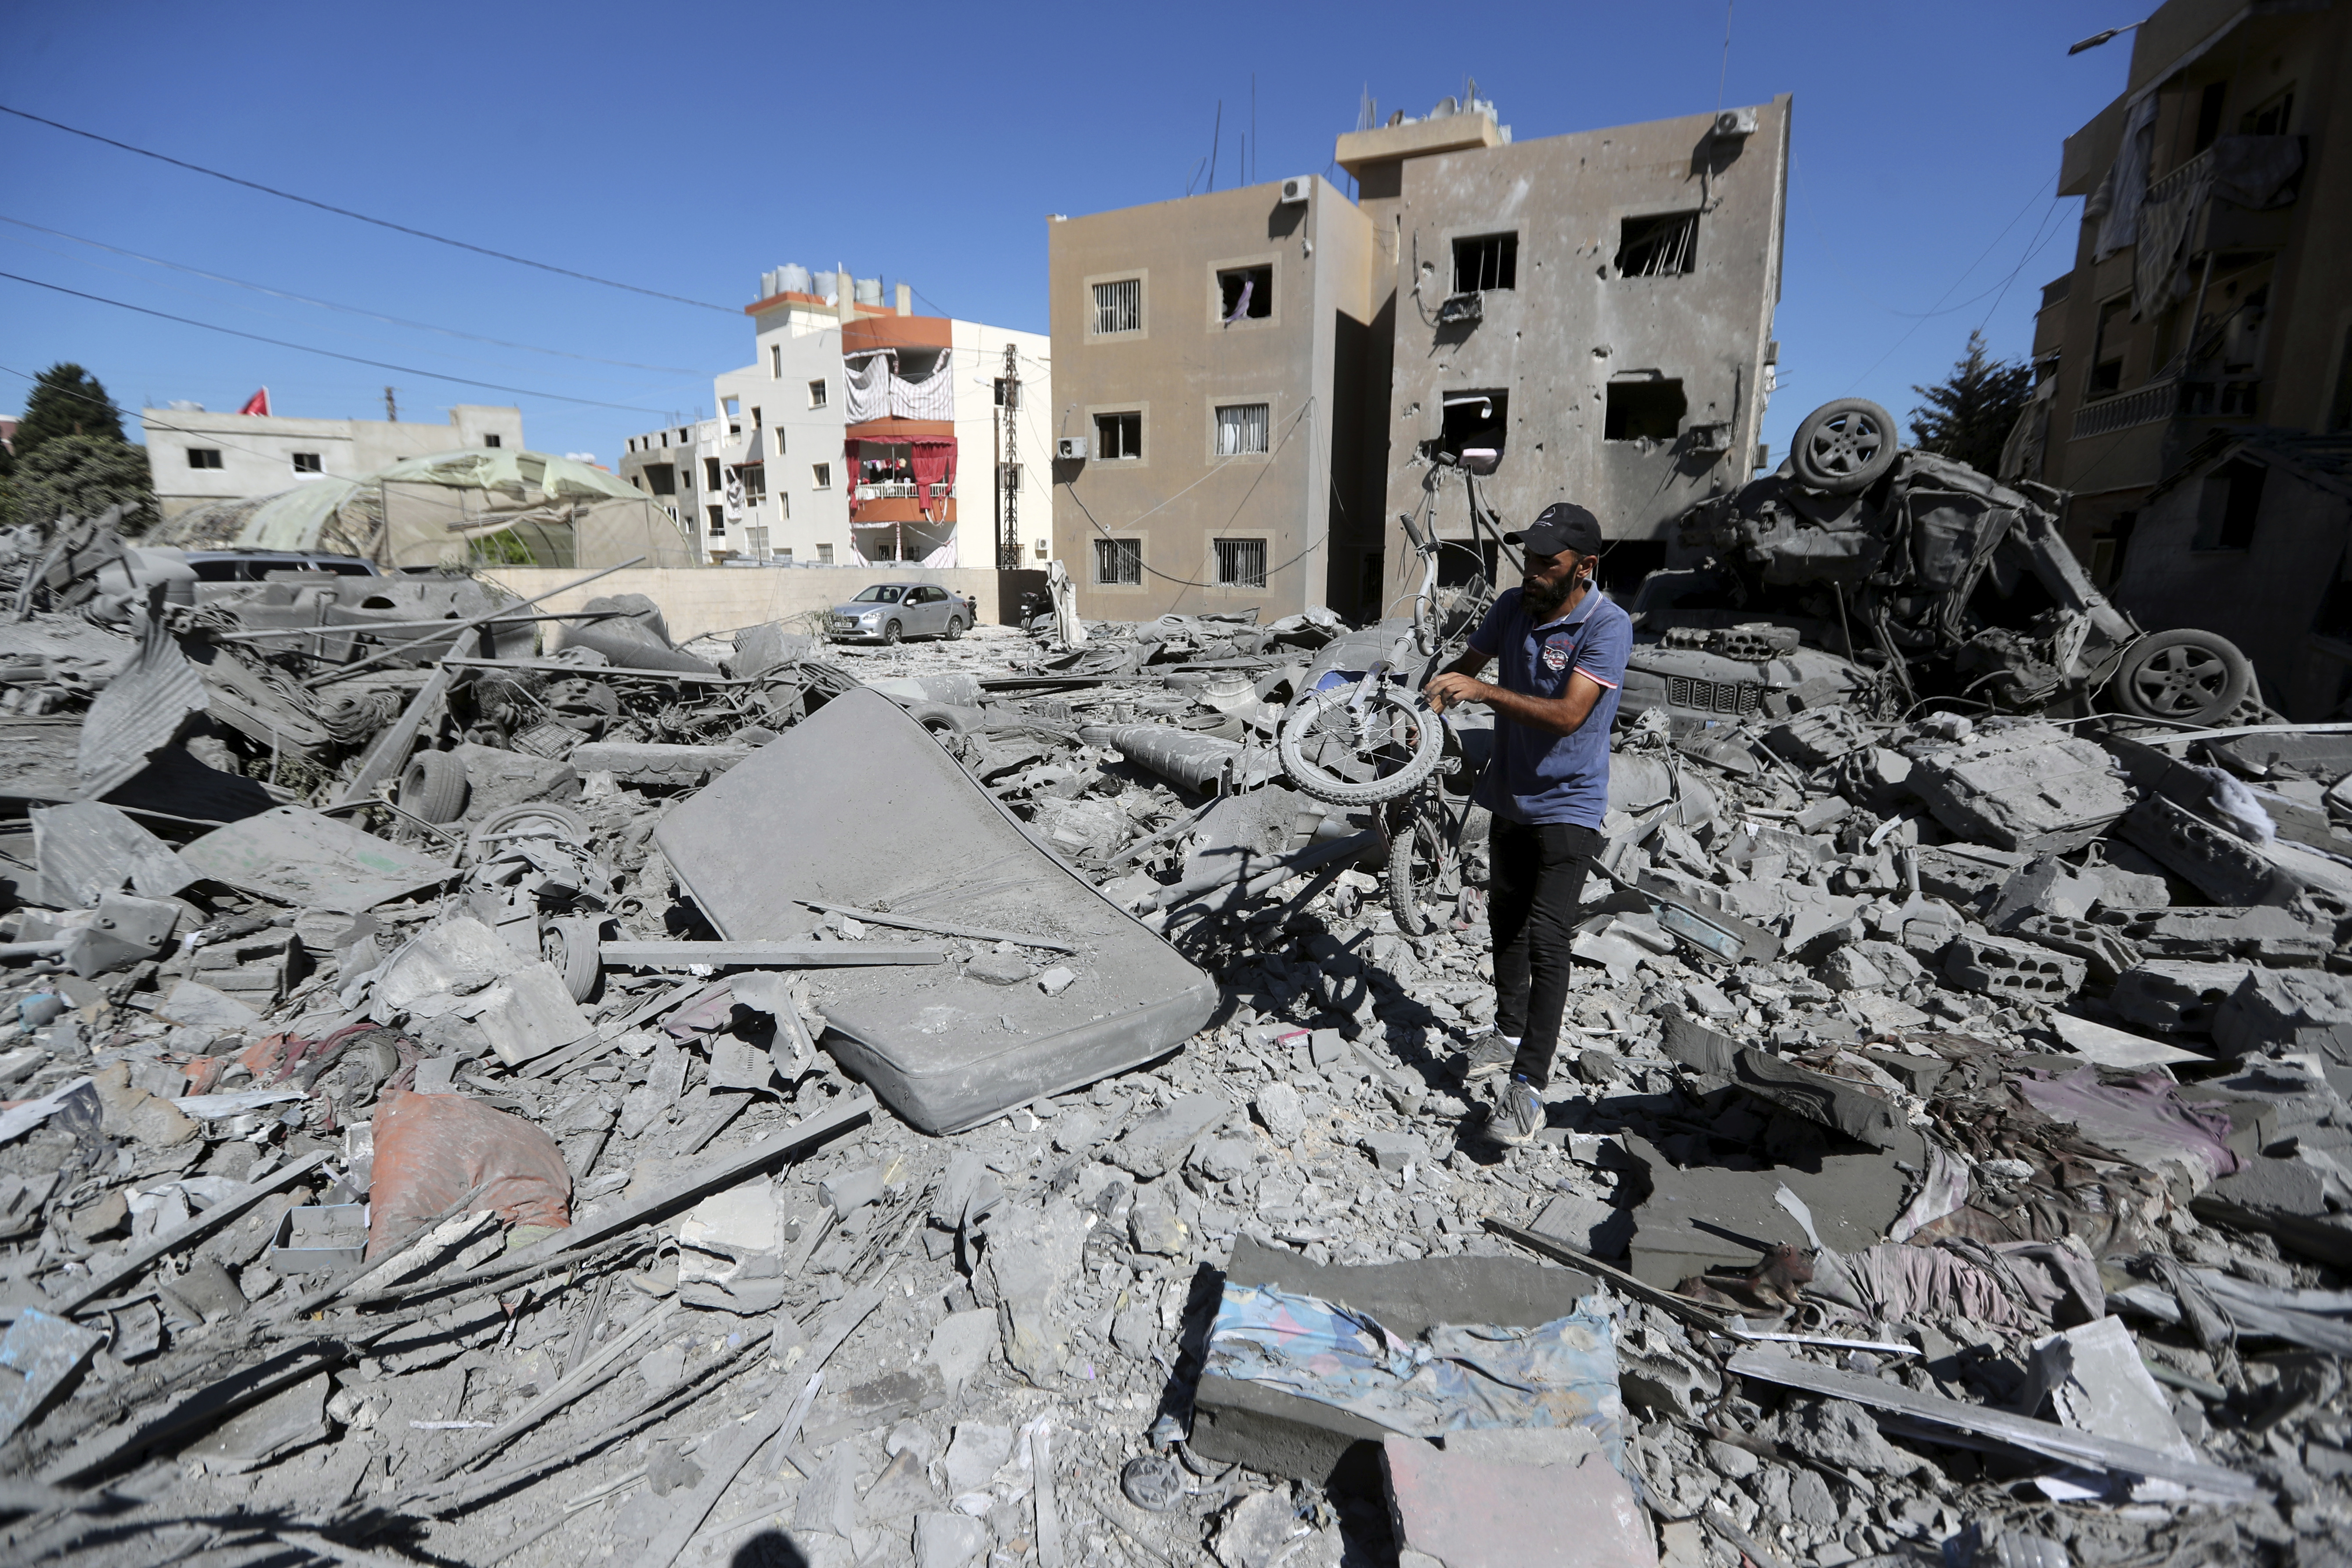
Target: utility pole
{"type": "Point", "coordinates": [1008, 470]}
{"type": "Point", "coordinates": [391, 409]}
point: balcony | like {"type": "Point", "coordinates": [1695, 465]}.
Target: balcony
{"type": "Point", "coordinates": [2156, 401]}
{"type": "Point", "coordinates": [889, 490]}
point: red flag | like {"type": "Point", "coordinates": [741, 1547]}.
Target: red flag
{"type": "Point", "coordinates": [258, 403]}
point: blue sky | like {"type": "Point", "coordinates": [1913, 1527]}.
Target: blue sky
{"type": "Point", "coordinates": [688, 151]}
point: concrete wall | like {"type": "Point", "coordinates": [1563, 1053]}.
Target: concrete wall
{"type": "Point", "coordinates": [727, 599]}
{"type": "Point", "coordinates": [1572, 326]}
{"type": "Point", "coordinates": [1180, 497]}
{"type": "Point", "coordinates": [978, 361]}
{"type": "Point", "coordinates": [257, 453]}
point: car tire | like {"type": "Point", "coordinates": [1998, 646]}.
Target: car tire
{"type": "Point", "coordinates": [955, 627]}
{"type": "Point", "coordinates": [2188, 676]}
{"type": "Point", "coordinates": [573, 944]}
{"type": "Point", "coordinates": [434, 787]}
{"type": "Point", "coordinates": [1845, 446]}
{"type": "Point", "coordinates": [893, 632]}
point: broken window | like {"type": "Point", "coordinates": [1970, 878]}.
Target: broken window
{"type": "Point", "coordinates": [1241, 563]}
{"type": "Point", "coordinates": [2227, 504]}
{"type": "Point", "coordinates": [1118, 306]}
{"type": "Point", "coordinates": [1118, 437]}
{"type": "Point", "coordinates": [710, 477]}
{"type": "Point", "coordinates": [1473, 421]}
{"type": "Point", "coordinates": [1119, 563]}
{"type": "Point", "coordinates": [1245, 293]}
{"type": "Point", "coordinates": [816, 394]}
{"type": "Point", "coordinates": [204, 458]}
{"type": "Point", "coordinates": [820, 476]}
{"type": "Point", "coordinates": [1644, 411]}
{"type": "Point", "coordinates": [1664, 244]}
{"type": "Point", "coordinates": [755, 482]}
{"type": "Point", "coordinates": [1241, 429]}
{"type": "Point", "coordinates": [310, 463]}
{"type": "Point", "coordinates": [1485, 261]}
{"type": "Point", "coordinates": [2107, 348]}
{"type": "Point", "coordinates": [661, 480]}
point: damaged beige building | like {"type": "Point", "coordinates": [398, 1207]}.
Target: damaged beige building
{"type": "Point", "coordinates": [1252, 382]}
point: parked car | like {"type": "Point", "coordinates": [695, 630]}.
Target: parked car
{"type": "Point", "coordinates": [889, 611]}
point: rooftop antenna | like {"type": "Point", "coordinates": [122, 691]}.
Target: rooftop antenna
{"type": "Point", "coordinates": [1213, 137]}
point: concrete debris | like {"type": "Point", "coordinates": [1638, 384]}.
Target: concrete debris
{"type": "Point", "coordinates": [787, 1100]}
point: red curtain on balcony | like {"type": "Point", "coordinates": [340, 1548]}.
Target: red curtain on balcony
{"type": "Point", "coordinates": [934, 465]}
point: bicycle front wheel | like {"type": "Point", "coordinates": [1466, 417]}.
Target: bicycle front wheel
{"type": "Point", "coordinates": [1337, 755]}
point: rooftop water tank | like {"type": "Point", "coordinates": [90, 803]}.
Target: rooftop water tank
{"type": "Point", "coordinates": [792, 279]}
{"type": "Point", "coordinates": [869, 291]}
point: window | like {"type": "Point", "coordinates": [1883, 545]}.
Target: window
{"type": "Point", "coordinates": [310, 463]}
{"type": "Point", "coordinates": [732, 407]}
{"type": "Point", "coordinates": [816, 394]}
{"type": "Point", "coordinates": [785, 505]}
{"type": "Point", "coordinates": [821, 476]}
{"type": "Point", "coordinates": [711, 476]}
{"type": "Point", "coordinates": [1240, 429]}
{"type": "Point", "coordinates": [2270, 116]}
{"type": "Point", "coordinates": [2227, 504]}
{"type": "Point", "coordinates": [755, 540]}
{"type": "Point", "coordinates": [1664, 245]}
{"type": "Point", "coordinates": [2107, 348]}
{"type": "Point", "coordinates": [1644, 411]}
{"type": "Point", "coordinates": [1487, 261]}
{"type": "Point", "coordinates": [1118, 437]}
{"type": "Point", "coordinates": [824, 554]}
{"type": "Point", "coordinates": [1119, 563]}
{"type": "Point", "coordinates": [1474, 421]}
{"type": "Point", "coordinates": [1241, 563]}
{"type": "Point", "coordinates": [492, 441]}
{"type": "Point", "coordinates": [786, 555]}
{"type": "Point", "coordinates": [716, 516]}
{"type": "Point", "coordinates": [758, 423]}
{"type": "Point", "coordinates": [775, 362]}
{"type": "Point", "coordinates": [662, 480]}
{"type": "Point", "coordinates": [204, 458]}
{"type": "Point", "coordinates": [684, 475]}
{"type": "Point", "coordinates": [1246, 294]}
{"type": "Point", "coordinates": [2209, 113]}
{"type": "Point", "coordinates": [755, 482]}
{"type": "Point", "coordinates": [1118, 306]}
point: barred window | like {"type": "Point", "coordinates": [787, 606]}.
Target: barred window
{"type": "Point", "coordinates": [1665, 245]}
{"type": "Point", "coordinates": [1240, 429]}
{"type": "Point", "coordinates": [1241, 563]}
{"type": "Point", "coordinates": [1119, 563]}
{"type": "Point", "coordinates": [1118, 306]}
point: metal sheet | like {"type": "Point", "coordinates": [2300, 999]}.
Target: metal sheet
{"type": "Point", "coordinates": [311, 861]}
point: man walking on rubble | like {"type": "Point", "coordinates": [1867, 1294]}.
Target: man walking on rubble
{"type": "Point", "coordinates": [1562, 648]}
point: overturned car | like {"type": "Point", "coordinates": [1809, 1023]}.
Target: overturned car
{"type": "Point", "coordinates": [1879, 576]}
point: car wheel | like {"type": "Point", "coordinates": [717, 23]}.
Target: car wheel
{"type": "Point", "coordinates": [434, 787]}
{"type": "Point", "coordinates": [571, 943]}
{"type": "Point", "coordinates": [1843, 447]}
{"type": "Point", "coordinates": [2189, 676]}
{"type": "Point", "coordinates": [893, 632]}
{"type": "Point", "coordinates": [955, 627]}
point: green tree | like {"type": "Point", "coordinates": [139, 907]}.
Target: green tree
{"type": "Point", "coordinates": [1969, 415]}
{"type": "Point", "coordinates": [66, 400]}
{"type": "Point", "coordinates": [83, 475]}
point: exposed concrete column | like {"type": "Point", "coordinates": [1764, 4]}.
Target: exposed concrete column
{"type": "Point", "coordinates": [845, 294]}
{"type": "Point", "coordinates": [906, 300]}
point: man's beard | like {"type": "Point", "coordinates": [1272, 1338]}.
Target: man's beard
{"type": "Point", "coordinates": [1544, 596]}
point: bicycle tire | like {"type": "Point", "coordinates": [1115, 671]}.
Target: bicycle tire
{"type": "Point", "coordinates": [1428, 747]}
{"type": "Point", "coordinates": [1404, 891]}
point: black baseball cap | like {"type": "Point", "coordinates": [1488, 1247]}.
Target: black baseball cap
{"type": "Point", "coordinates": [1563, 525]}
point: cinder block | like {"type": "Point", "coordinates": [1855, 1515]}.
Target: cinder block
{"type": "Point", "coordinates": [2012, 970]}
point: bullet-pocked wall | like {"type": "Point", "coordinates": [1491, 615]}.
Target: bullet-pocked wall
{"type": "Point", "coordinates": [1599, 306]}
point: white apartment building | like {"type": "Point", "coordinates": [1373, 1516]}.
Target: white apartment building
{"type": "Point", "coordinates": [195, 456]}
{"type": "Point", "coordinates": [861, 434]}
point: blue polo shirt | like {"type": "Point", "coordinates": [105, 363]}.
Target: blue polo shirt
{"type": "Point", "coordinates": [1536, 776]}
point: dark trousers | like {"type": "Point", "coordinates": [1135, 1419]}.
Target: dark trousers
{"type": "Point", "coordinates": [1535, 881]}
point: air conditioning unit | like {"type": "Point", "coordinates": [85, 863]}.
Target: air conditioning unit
{"type": "Point", "coordinates": [1297, 189]}
{"type": "Point", "coordinates": [1070, 449]}
{"type": "Point", "coordinates": [1735, 122]}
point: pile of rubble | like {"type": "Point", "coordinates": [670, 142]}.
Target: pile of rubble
{"type": "Point", "coordinates": [765, 1102]}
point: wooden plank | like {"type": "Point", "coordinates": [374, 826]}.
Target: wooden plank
{"type": "Point", "coordinates": [2047, 1438]}
{"type": "Point", "coordinates": [763, 955]}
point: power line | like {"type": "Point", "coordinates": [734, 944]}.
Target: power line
{"type": "Point", "coordinates": [347, 310]}
{"type": "Point", "coordinates": [331, 354]}
{"type": "Point", "coordinates": [362, 217]}
{"type": "Point", "coordinates": [109, 404]}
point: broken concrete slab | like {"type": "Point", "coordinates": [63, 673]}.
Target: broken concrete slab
{"type": "Point", "coordinates": [2174, 996]}
{"type": "Point", "coordinates": [1463, 1505]}
{"type": "Point", "coordinates": [941, 1055]}
{"type": "Point", "coordinates": [2023, 787]}
{"type": "Point", "coordinates": [308, 860]}
{"type": "Point", "coordinates": [1704, 1217]}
